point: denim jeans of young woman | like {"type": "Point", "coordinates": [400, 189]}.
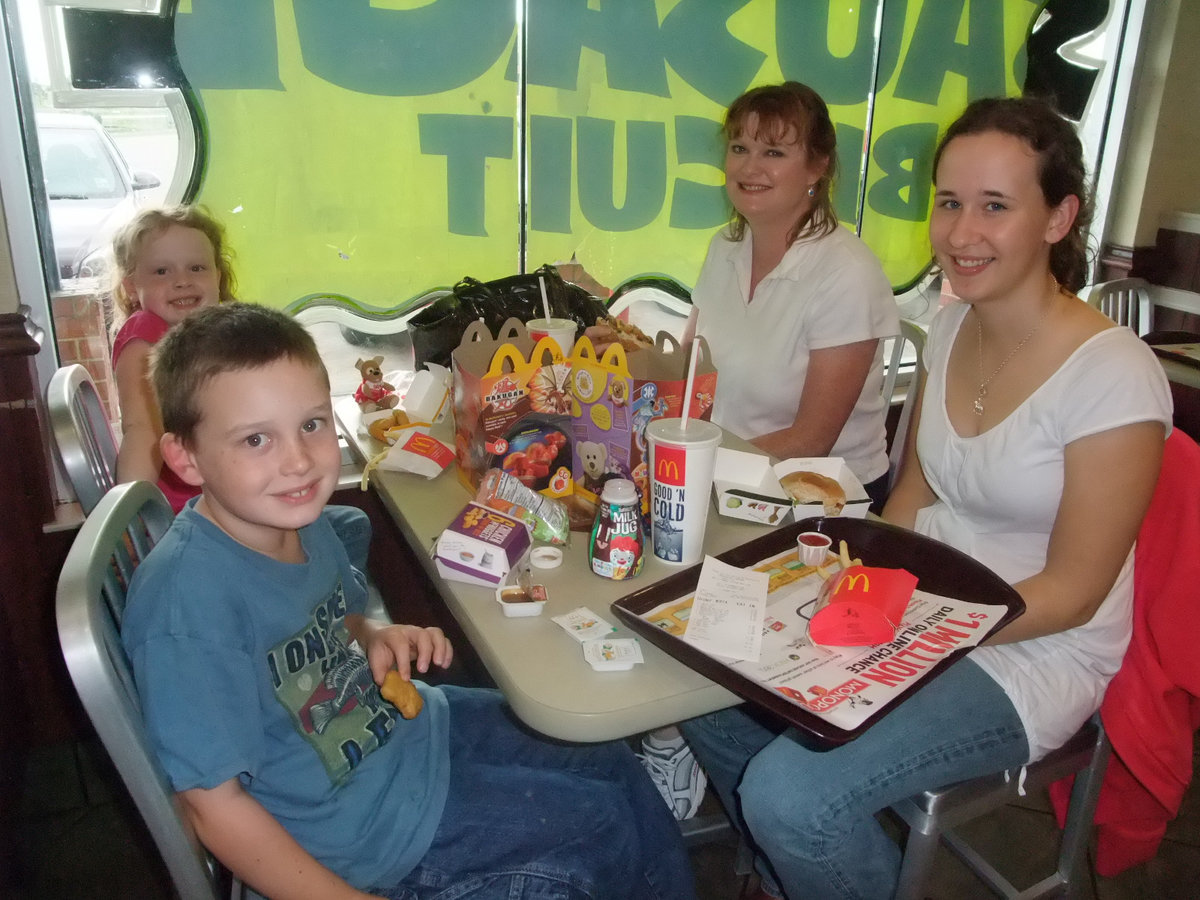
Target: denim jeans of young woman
{"type": "Point", "coordinates": [530, 818]}
{"type": "Point", "coordinates": [811, 815]}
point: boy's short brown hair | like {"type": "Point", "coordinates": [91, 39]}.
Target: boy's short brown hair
{"type": "Point", "coordinates": [225, 338]}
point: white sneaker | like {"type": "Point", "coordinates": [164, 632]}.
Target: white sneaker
{"type": "Point", "coordinates": [676, 773]}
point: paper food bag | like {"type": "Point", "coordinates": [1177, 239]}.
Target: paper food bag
{"type": "Point", "coordinates": [512, 408]}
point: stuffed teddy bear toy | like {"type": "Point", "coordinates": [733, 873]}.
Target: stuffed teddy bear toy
{"type": "Point", "coordinates": [592, 457]}
{"type": "Point", "coordinates": [374, 393]}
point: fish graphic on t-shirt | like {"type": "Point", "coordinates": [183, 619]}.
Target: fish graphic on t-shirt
{"type": "Point", "coordinates": [350, 680]}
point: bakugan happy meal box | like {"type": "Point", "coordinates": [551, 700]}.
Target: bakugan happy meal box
{"type": "Point", "coordinates": [512, 408]}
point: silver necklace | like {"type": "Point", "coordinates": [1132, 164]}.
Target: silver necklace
{"type": "Point", "coordinates": [984, 382]}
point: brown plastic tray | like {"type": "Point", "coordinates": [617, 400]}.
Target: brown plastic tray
{"type": "Point", "coordinates": [940, 569]}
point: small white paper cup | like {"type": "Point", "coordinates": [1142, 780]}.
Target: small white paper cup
{"type": "Point", "coordinates": [516, 603]}
{"type": "Point", "coordinates": [561, 330]}
{"type": "Point", "coordinates": [813, 547]}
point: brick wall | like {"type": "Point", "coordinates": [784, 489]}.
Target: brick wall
{"type": "Point", "coordinates": [82, 335]}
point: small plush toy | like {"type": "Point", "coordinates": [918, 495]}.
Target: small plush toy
{"type": "Point", "coordinates": [374, 393]}
{"type": "Point", "coordinates": [593, 456]}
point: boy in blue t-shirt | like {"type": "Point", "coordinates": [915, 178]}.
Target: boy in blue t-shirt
{"type": "Point", "coordinates": [259, 675]}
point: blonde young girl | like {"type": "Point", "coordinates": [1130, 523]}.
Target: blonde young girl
{"type": "Point", "coordinates": [169, 263]}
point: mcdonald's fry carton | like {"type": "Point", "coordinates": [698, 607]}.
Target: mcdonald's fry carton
{"type": "Point", "coordinates": [861, 606]}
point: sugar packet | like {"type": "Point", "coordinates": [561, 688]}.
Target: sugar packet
{"type": "Point", "coordinates": [583, 624]}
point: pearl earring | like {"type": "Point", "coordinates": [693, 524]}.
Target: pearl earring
{"type": "Point", "coordinates": [812, 190]}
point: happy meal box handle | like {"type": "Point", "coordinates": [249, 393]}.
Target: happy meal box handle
{"type": "Point", "coordinates": [512, 328]}
{"type": "Point", "coordinates": [476, 331]}
{"type": "Point", "coordinates": [546, 345]}
{"type": "Point", "coordinates": [507, 359]}
{"type": "Point", "coordinates": [615, 360]}
{"type": "Point", "coordinates": [584, 348]}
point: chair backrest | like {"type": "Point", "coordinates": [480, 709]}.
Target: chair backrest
{"type": "Point", "coordinates": [121, 530]}
{"type": "Point", "coordinates": [317, 308]}
{"type": "Point", "coordinates": [910, 334]}
{"type": "Point", "coordinates": [82, 434]}
{"type": "Point", "coordinates": [653, 305]}
{"type": "Point", "coordinates": [1126, 301]}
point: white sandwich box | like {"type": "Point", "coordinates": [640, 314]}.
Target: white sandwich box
{"type": "Point", "coordinates": [481, 546]}
{"type": "Point", "coordinates": [746, 486]}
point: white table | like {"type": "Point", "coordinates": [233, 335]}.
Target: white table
{"type": "Point", "coordinates": [539, 668]}
{"type": "Point", "coordinates": [1181, 362]}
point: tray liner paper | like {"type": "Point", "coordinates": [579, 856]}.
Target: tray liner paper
{"type": "Point", "coordinates": [833, 694]}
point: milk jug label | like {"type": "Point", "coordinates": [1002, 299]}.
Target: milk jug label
{"type": "Point", "coordinates": [616, 546]}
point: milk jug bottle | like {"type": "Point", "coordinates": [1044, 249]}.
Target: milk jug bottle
{"type": "Point", "coordinates": [615, 547]}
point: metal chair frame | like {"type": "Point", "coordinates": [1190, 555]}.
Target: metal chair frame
{"type": "Point", "coordinates": [932, 817]}
{"type": "Point", "coordinates": [910, 333]}
{"type": "Point", "coordinates": [83, 436]}
{"type": "Point", "coordinates": [1126, 301]}
{"type": "Point", "coordinates": [124, 526]}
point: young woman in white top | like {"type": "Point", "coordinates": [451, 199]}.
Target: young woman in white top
{"type": "Point", "coordinates": [1038, 441]}
{"type": "Point", "coordinates": [793, 306]}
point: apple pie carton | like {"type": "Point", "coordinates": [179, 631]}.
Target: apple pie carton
{"type": "Point", "coordinates": [481, 546]}
{"type": "Point", "coordinates": [747, 486]}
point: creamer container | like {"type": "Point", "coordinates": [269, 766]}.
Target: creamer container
{"type": "Point", "coordinates": [615, 547]}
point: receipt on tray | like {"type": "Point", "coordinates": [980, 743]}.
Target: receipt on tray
{"type": "Point", "coordinates": [728, 612]}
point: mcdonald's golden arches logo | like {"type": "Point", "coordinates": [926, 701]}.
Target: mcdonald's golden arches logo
{"type": "Point", "coordinates": [849, 582]}
{"type": "Point", "coordinates": [670, 465]}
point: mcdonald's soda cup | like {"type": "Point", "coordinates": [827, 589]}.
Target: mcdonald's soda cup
{"type": "Point", "coordinates": [681, 473]}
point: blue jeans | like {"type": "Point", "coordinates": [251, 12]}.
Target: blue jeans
{"type": "Point", "coordinates": [353, 528]}
{"type": "Point", "coordinates": [811, 815]}
{"type": "Point", "coordinates": [528, 817]}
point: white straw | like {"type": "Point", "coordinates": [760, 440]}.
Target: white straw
{"type": "Point", "coordinates": [691, 379]}
{"type": "Point", "coordinates": [545, 302]}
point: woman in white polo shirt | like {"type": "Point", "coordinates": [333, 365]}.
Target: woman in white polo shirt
{"type": "Point", "coordinates": [793, 306]}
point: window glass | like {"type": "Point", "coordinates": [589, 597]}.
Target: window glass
{"type": "Point", "coordinates": [367, 153]}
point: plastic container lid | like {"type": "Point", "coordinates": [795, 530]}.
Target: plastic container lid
{"type": "Point", "coordinates": [619, 490]}
{"type": "Point", "coordinates": [697, 432]}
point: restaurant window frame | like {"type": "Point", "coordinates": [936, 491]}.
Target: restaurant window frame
{"type": "Point", "coordinates": [25, 204]}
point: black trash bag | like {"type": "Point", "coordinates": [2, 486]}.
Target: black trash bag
{"type": "Point", "coordinates": [438, 329]}
{"type": "Point", "coordinates": [520, 297]}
